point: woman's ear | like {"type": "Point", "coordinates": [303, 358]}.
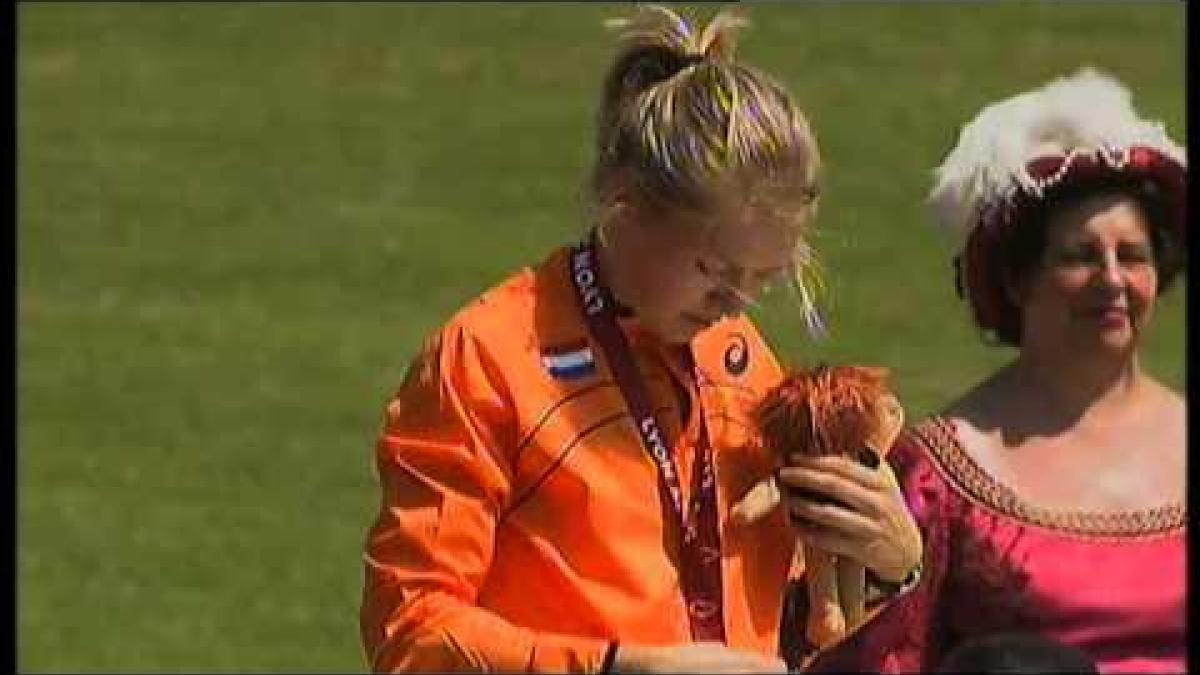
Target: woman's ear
{"type": "Point", "coordinates": [616, 200]}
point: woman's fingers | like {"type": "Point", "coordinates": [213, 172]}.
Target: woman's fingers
{"type": "Point", "coordinates": [827, 539]}
{"type": "Point", "coordinates": [853, 511]}
{"type": "Point", "coordinates": [845, 467]}
{"type": "Point", "coordinates": [758, 502]}
{"type": "Point", "coordinates": [847, 522]}
{"type": "Point", "coordinates": [819, 482]}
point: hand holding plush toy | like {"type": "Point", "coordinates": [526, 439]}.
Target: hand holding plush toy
{"type": "Point", "coordinates": [840, 410]}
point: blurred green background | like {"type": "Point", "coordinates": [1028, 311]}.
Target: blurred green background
{"type": "Point", "coordinates": [236, 222]}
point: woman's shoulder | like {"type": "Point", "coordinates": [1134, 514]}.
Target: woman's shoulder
{"type": "Point", "coordinates": [535, 300]}
{"type": "Point", "coordinates": [923, 436]}
{"type": "Point", "coordinates": [923, 448]}
{"type": "Point", "coordinates": [1160, 425]}
{"type": "Point", "coordinates": [948, 450]}
{"type": "Point", "coordinates": [924, 458]}
{"type": "Point", "coordinates": [1166, 403]}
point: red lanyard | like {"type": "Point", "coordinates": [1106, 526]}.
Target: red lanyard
{"type": "Point", "coordinates": [700, 546]}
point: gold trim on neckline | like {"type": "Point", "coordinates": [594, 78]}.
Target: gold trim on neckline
{"type": "Point", "coordinates": [941, 438]}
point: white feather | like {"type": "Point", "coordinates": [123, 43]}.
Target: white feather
{"type": "Point", "coordinates": [1087, 112]}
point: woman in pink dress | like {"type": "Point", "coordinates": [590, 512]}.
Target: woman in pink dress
{"type": "Point", "coordinates": [1051, 495]}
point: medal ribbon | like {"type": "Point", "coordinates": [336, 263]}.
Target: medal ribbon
{"type": "Point", "coordinates": [700, 537]}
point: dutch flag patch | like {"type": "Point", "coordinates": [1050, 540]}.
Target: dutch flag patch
{"type": "Point", "coordinates": [569, 362]}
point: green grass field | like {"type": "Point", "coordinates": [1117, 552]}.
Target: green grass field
{"type": "Point", "coordinates": [237, 221]}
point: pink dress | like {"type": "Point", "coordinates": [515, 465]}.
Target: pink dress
{"type": "Point", "coordinates": [1111, 584]}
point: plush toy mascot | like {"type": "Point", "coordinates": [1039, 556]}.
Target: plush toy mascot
{"type": "Point", "coordinates": [838, 410]}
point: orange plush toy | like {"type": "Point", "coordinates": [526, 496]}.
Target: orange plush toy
{"type": "Point", "coordinates": [839, 410]}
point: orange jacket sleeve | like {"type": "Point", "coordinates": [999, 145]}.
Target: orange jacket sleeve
{"type": "Point", "coordinates": [445, 474]}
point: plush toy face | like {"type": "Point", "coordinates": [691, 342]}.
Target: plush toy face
{"type": "Point", "coordinates": [835, 410]}
{"type": "Point", "coordinates": [822, 411]}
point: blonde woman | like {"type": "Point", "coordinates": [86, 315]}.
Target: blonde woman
{"type": "Point", "coordinates": [557, 467]}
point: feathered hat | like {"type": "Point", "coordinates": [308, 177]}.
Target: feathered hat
{"type": "Point", "coordinates": [1072, 130]}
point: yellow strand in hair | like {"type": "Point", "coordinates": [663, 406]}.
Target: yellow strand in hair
{"type": "Point", "coordinates": [716, 40]}
{"type": "Point", "coordinates": [809, 285]}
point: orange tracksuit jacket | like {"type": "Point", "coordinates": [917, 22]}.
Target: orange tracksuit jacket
{"type": "Point", "coordinates": [521, 526]}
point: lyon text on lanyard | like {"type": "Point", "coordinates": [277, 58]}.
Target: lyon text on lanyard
{"type": "Point", "coordinates": [700, 546]}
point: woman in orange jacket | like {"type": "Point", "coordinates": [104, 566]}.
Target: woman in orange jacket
{"type": "Point", "coordinates": [558, 465]}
